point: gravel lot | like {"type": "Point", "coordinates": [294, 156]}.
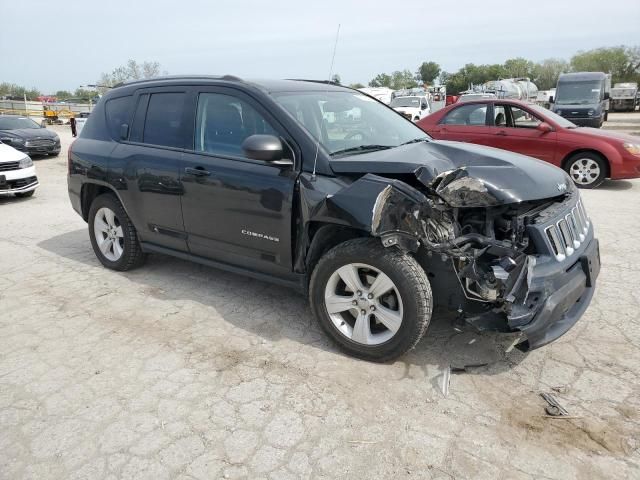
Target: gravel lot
{"type": "Point", "coordinates": [176, 370]}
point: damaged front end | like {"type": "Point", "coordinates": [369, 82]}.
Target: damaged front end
{"type": "Point", "coordinates": [501, 265]}
{"type": "Point", "coordinates": [528, 266]}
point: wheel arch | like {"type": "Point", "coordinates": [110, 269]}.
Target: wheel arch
{"type": "Point", "coordinates": [323, 236]}
{"type": "Point", "coordinates": [90, 191]}
{"type": "Point", "coordinates": [577, 151]}
{"type": "Point", "coordinates": [372, 206]}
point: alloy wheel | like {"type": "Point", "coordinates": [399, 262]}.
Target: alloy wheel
{"type": "Point", "coordinates": [108, 233]}
{"type": "Point", "coordinates": [363, 304]}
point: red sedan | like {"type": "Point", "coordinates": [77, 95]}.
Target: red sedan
{"type": "Point", "coordinates": [589, 155]}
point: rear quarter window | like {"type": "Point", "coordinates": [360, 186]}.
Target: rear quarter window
{"type": "Point", "coordinates": [118, 111]}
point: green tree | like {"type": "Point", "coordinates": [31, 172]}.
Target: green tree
{"type": "Point", "coordinates": [428, 72]}
{"type": "Point", "coordinates": [381, 80]}
{"type": "Point", "coordinates": [18, 91]}
{"type": "Point", "coordinates": [518, 68]}
{"type": "Point", "coordinates": [471, 74]}
{"type": "Point", "coordinates": [85, 94]}
{"type": "Point", "coordinates": [336, 79]}
{"type": "Point", "coordinates": [546, 73]}
{"type": "Point", "coordinates": [32, 93]}
{"type": "Point", "coordinates": [622, 62]}
{"type": "Point", "coordinates": [356, 85]}
{"type": "Point", "coordinates": [63, 94]}
{"type": "Point", "coordinates": [131, 71]}
{"type": "Point", "coordinates": [403, 79]}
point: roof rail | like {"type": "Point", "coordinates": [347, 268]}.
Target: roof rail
{"type": "Point", "coordinates": [325, 82]}
{"type": "Point", "coordinates": [231, 78]}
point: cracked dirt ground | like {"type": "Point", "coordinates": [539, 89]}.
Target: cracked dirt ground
{"type": "Point", "coordinates": [176, 370]}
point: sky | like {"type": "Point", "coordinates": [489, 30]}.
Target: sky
{"type": "Point", "coordinates": [55, 45]}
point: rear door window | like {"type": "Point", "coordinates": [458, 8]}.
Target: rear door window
{"type": "Point", "coordinates": [499, 116]}
{"type": "Point", "coordinates": [163, 124]}
{"type": "Point", "coordinates": [118, 111]}
{"type": "Point", "coordinates": [471, 115]}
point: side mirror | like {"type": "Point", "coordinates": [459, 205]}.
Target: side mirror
{"type": "Point", "coordinates": [423, 107]}
{"type": "Point", "coordinates": [43, 124]}
{"type": "Point", "coordinates": [606, 95]}
{"type": "Point", "coordinates": [124, 131]}
{"type": "Point", "coordinates": [551, 99]}
{"type": "Point", "coordinates": [544, 127]}
{"type": "Point", "coordinates": [263, 147]}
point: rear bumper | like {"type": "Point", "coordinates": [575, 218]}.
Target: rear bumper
{"type": "Point", "coordinates": [569, 293]}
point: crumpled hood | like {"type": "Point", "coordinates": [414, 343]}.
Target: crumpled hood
{"type": "Point", "coordinates": [464, 174]}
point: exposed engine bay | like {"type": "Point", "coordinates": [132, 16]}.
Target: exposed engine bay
{"type": "Point", "coordinates": [487, 248]}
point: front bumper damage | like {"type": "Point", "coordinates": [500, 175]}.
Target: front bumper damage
{"type": "Point", "coordinates": [517, 281]}
{"type": "Point", "coordinates": [565, 295]}
{"type": "Point", "coordinates": [541, 289]}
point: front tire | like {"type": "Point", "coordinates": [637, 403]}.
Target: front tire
{"type": "Point", "coordinates": [587, 170]}
{"type": "Point", "coordinates": [374, 302]}
{"type": "Point", "coordinates": [113, 237]}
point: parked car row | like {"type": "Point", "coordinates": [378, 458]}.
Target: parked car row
{"type": "Point", "coordinates": [21, 137]}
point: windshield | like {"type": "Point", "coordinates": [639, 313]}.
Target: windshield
{"type": "Point", "coordinates": [405, 102]}
{"type": "Point", "coordinates": [561, 121]}
{"type": "Point", "coordinates": [578, 93]}
{"type": "Point", "coordinates": [348, 122]}
{"type": "Point", "coordinates": [8, 123]}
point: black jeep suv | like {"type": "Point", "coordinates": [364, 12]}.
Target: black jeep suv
{"type": "Point", "coordinates": [325, 189]}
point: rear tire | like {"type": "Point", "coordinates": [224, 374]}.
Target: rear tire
{"type": "Point", "coordinates": [25, 194]}
{"type": "Point", "coordinates": [113, 237]}
{"type": "Point", "coordinates": [587, 169]}
{"type": "Point", "coordinates": [391, 313]}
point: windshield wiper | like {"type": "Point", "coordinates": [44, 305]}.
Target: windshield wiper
{"type": "Point", "coordinates": [361, 149]}
{"type": "Point", "coordinates": [415, 140]}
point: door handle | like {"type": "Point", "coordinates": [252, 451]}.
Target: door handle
{"type": "Point", "coordinates": [501, 132]}
{"type": "Point", "coordinates": [197, 171]}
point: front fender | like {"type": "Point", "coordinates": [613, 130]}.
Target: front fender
{"type": "Point", "coordinates": [383, 207]}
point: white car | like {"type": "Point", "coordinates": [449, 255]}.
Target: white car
{"type": "Point", "coordinates": [413, 107]}
{"type": "Point", "coordinates": [17, 173]}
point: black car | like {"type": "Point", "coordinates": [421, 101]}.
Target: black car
{"type": "Point", "coordinates": [25, 135]}
{"type": "Point", "coordinates": [329, 191]}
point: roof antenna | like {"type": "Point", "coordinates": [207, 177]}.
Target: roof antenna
{"type": "Point", "coordinates": [333, 57]}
